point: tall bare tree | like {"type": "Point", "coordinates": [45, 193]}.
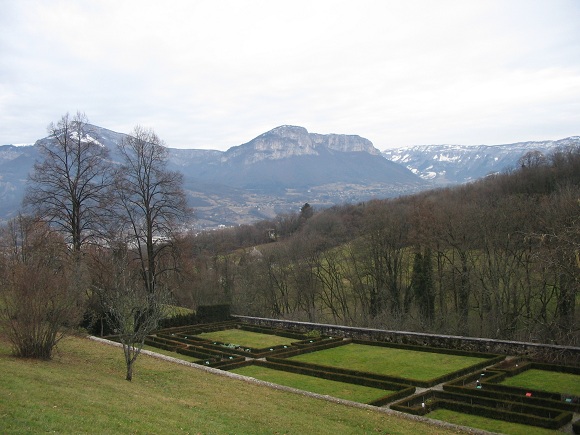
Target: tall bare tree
{"type": "Point", "coordinates": [150, 201]}
{"type": "Point", "coordinates": [149, 205]}
{"type": "Point", "coordinates": [67, 188]}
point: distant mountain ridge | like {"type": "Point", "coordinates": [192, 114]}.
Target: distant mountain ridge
{"type": "Point", "coordinates": [456, 164]}
{"type": "Point", "coordinates": [274, 173]}
{"type": "Point", "coordinates": [280, 170]}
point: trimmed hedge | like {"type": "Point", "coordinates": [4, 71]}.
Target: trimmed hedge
{"type": "Point", "coordinates": [223, 362]}
{"type": "Point", "coordinates": [341, 371]}
{"type": "Point", "coordinates": [487, 356]}
{"type": "Point", "coordinates": [400, 390]}
{"type": "Point", "coordinates": [493, 382]}
{"type": "Point", "coordinates": [189, 335]}
{"type": "Point", "coordinates": [340, 377]}
{"type": "Point", "coordinates": [214, 313]}
{"type": "Point", "coordinates": [200, 327]}
{"type": "Point", "coordinates": [556, 368]}
{"type": "Point", "coordinates": [407, 381]}
{"type": "Point", "coordinates": [520, 416]}
{"type": "Point", "coordinates": [312, 345]}
{"type": "Point", "coordinates": [488, 392]}
{"type": "Point", "coordinates": [273, 331]}
{"type": "Point", "coordinates": [496, 409]}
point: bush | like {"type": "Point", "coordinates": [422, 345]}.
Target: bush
{"type": "Point", "coordinates": [39, 294]}
{"type": "Point", "coordinates": [213, 313]}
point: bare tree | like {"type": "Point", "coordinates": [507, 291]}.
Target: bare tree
{"type": "Point", "coordinates": [37, 299]}
{"type": "Point", "coordinates": [149, 206]}
{"type": "Point", "coordinates": [68, 187]}
{"type": "Point", "coordinates": [131, 311]}
{"type": "Point", "coordinates": [151, 202]}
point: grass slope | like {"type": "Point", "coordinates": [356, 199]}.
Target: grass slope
{"type": "Point", "coordinates": [82, 390]}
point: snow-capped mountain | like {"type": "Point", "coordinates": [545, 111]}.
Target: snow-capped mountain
{"type": "Point", "coordinates": [453, 164]}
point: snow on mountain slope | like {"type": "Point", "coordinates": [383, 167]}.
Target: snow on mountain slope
{"type": "Point", "coordinates": [452, 164]}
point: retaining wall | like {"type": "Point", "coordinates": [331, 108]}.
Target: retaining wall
{"type": "Point", "coordinates": [551, 353]}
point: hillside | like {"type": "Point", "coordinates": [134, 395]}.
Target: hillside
{"type": "Point", "coordinates": [82, 391]}
{"type": "Point", "coordinates": [494, 258]}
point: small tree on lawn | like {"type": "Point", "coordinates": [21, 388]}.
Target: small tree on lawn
{"type": "Point", "coordinates": [131, 310]}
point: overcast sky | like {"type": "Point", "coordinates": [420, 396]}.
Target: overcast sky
{"type": "Point", "coordinates": [216, 73]}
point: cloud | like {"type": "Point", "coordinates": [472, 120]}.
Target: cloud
{"type": "Point", "coordinates": [214, 74]}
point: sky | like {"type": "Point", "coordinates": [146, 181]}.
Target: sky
{"type": "Point", "coordinates": [214, 74]}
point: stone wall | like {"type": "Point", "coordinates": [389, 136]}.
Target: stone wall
{"type": "Point", "coordinates": [538, 352]}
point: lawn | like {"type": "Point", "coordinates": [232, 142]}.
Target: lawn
{"type": "Point", "coordinates": [341, 390]}
{"type": "Point", "coordinates": [408, 364]}
{"type": "Point", "coordinates": [82, 390]}
{"type": "Point", "coordinates": [556, 382]}
{"type": "Point", "coordinates": [487, 424]}
{"type": "Point", "coordinates": [249, 339]}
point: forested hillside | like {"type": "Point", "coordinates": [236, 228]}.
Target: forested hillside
{"type": "Point", "coordinates": [495, 258]}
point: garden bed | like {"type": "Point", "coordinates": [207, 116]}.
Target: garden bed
{"type": "Point", "coordinates": [409, 366]}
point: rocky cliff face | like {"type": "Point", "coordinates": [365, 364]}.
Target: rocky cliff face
{"type": "Point", "coordinates": [291, 141]}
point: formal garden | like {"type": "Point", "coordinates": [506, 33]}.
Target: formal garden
{"type": "Point", "coordinates": [482, 390]}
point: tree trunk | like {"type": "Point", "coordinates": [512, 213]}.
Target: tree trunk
{"type": "Point", "coordinates": [129, 371]}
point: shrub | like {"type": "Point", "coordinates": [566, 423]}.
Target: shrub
{"type": "Point", "coordinates": [39, 291]}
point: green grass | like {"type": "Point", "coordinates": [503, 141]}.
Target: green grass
{"type": "Point", "coordinates": [487, 424]}
{"type": "Point", "coordinates": [556, 382]}
{"type": "Point", "coordinates": [408, 364]}
{"type": "Point", "coordinates": [82, 390]}
{"type": "Point", "coordinates": [249, 339]}
{"type": "Point", "coordinates": [341, 390]}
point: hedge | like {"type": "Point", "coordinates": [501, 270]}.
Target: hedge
{"type": "Point", "coordinates": [340, 377]}
{"type": "Point", "coordinates": [401, 390]}
{"type": "Point", "coordinates": [493, 381]}
{"type": "Point", "coordinates": [556, 368]}
{"type": "Point", "coordinates": [407, 381]}
{"type": "Point", "coordinates": [487, 356]}
{"type": "Point", "coordinates": [273, 331]}
{"type": "Point", "coordinates": [341, 371]}
{"type": "Point", "coordinates": [488, 392]}
{"type": "Point", "coordinates": [313, 345]}
{"type": "Point", "coordinates": [496, 409]}
{"type": "Point", "coordinates": [214, 313]}
{"type": "Point", "coordinates": [560, 418]}
{"type": "Point", "coordinates": [199, 327]}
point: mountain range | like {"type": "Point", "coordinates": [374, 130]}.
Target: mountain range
{"type": "Point", "coordinates": [282, 169]}
{"type": "Point", "coordinates": [455, 164]}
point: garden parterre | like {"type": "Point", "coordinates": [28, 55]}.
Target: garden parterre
{"type": "Point", "coordinates": [317, 362]}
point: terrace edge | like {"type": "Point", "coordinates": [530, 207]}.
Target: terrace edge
{"type": "Point", "coordinates": [551, 353]}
